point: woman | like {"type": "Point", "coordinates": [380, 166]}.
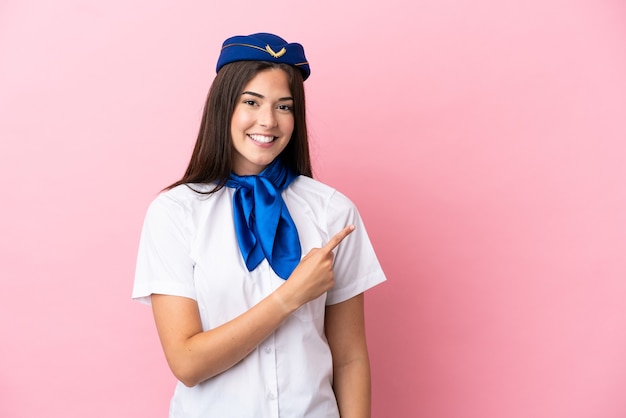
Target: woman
{"type": "Point", "coordinates": [255, 271]}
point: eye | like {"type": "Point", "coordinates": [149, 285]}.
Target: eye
{"type": "Point", "coordinates": [249, 102]}
{"type": "Point", "coordinates": [285, 108]}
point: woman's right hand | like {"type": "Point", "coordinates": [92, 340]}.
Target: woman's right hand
{"type": "Point", "coordinates": [314, 274]}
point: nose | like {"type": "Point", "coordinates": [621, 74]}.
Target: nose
{"type": "Point", "coordinates": [267, 118]}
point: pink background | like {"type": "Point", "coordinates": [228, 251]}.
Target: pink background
{"type": "Point", "coordinates": [483, 141]}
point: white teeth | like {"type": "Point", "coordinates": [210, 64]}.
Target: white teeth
{"type": "Point", "coordinates": [262, 138]}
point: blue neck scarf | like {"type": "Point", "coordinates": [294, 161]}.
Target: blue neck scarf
{"type": "Point", "coordinates": [262, 222]}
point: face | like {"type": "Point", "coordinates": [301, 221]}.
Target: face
{"type": "Point", "coordinates": [262, 122]}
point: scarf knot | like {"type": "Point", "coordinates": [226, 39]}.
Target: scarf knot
{"type": "Point", "coordinates": [263, 224]}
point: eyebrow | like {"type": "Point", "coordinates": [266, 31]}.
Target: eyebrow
{"type": "Point", "coordinates": [260, 96]}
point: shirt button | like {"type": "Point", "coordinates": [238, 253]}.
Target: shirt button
{"type": "Point", "coordinates": [268, 350]}
{"type": "Point", "coordinates": [271, 396]}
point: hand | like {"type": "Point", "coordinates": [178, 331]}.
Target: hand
{"type": "Point", "coordinates": [314, 274]}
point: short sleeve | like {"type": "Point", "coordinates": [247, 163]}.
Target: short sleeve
{"type": "Point", "coordinates": [356, 266]}
{"type": "Point", "coordinates": [164, 264]}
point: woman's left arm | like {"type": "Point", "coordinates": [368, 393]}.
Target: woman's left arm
{"type": "Point", "coordinates": [345, 331]}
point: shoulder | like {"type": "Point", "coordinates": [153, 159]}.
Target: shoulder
{"type": "Point", "coordinates": [185, 195]}
{"type": "Point", "coordinates": [184, 202]}
{"type": "Point", "coordinates": [318, 199]}
{"type": "Point", "coordinates": [311, 189]}
{"type": "Point", "coordinates": [310, 186]}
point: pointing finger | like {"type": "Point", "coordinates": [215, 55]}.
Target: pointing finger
{"type": "Point", "coordinates": [336, 240]}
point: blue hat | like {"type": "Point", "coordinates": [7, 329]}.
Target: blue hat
{"type": "Point", "coordinates": [263, 47]}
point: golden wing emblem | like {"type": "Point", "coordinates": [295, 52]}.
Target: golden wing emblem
{"type": "Point", "coordinates": [275, 54]}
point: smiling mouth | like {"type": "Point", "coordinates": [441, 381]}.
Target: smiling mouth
{"type": "Point", "coordinates": [263, 139]}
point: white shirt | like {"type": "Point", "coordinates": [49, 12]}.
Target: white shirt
{"type": "Point", "coordinates": [189, 248]}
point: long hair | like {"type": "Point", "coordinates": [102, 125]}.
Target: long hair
{"type": "Point", "coordinates": [211, 160]}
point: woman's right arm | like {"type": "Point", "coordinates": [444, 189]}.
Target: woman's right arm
{"type": "Point", "coordinates": [195, 355]}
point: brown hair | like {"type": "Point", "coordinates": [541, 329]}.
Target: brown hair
{"type": "Point", "coordinates": [211, 160]}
